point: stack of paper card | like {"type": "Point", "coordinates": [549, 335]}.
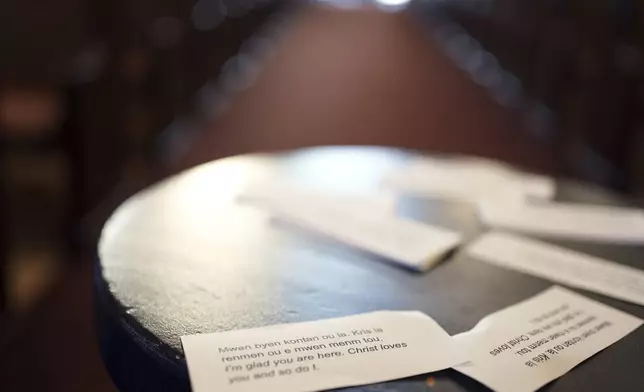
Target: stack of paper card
{"type": "Point", "coordinates": [363, 223]}
{"type": "Point", "coordinates": [518, 349]}
{"type": "Point", "coordinates": [561, 265]}
{"type": "Point", "coordinates": [470, 180]}
{"type": "Point", "coordinates": [318, 355]}
{"type": "Point", "coordinates": [525, 346]}
{"type": "Point", "coordinates": [513, 200]}
{"type": "Point", "coordinates": [568, 220]}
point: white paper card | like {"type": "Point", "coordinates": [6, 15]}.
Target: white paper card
{"type": "Point", "coordinates": [413, 244]}
{"type": "Point", "coordinates": [568, 220]}
{"type": "Point", "coordinates": [323, 354]}
{"type": "Point", "coordinates": [560, 265]}
{"type": "Point", "coordinates": [267, 193]}
{"type": "Point", "coordinates": [525, 346]}
{"type": "Point", "coordinates": [469, 180]}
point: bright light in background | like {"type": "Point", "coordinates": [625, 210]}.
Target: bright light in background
{"type": "Point", "coordinates": [392, 5]}
{"type": "Point", "coordinates": [393, 2]}
{"type": "Point", "coordinates": [385, 5]}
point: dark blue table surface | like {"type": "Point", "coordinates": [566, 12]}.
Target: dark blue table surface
{"type": "Point", "coordinates": [183, 258]}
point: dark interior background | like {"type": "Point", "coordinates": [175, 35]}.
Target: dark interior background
{"type": "Point", "coordinates": [99, 98]}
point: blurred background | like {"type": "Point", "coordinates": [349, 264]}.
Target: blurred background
{"type": "Point", "coordinates": [100, 98]}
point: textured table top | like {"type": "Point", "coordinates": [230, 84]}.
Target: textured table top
{"type": "Point", "coordinates": [182, 258]}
